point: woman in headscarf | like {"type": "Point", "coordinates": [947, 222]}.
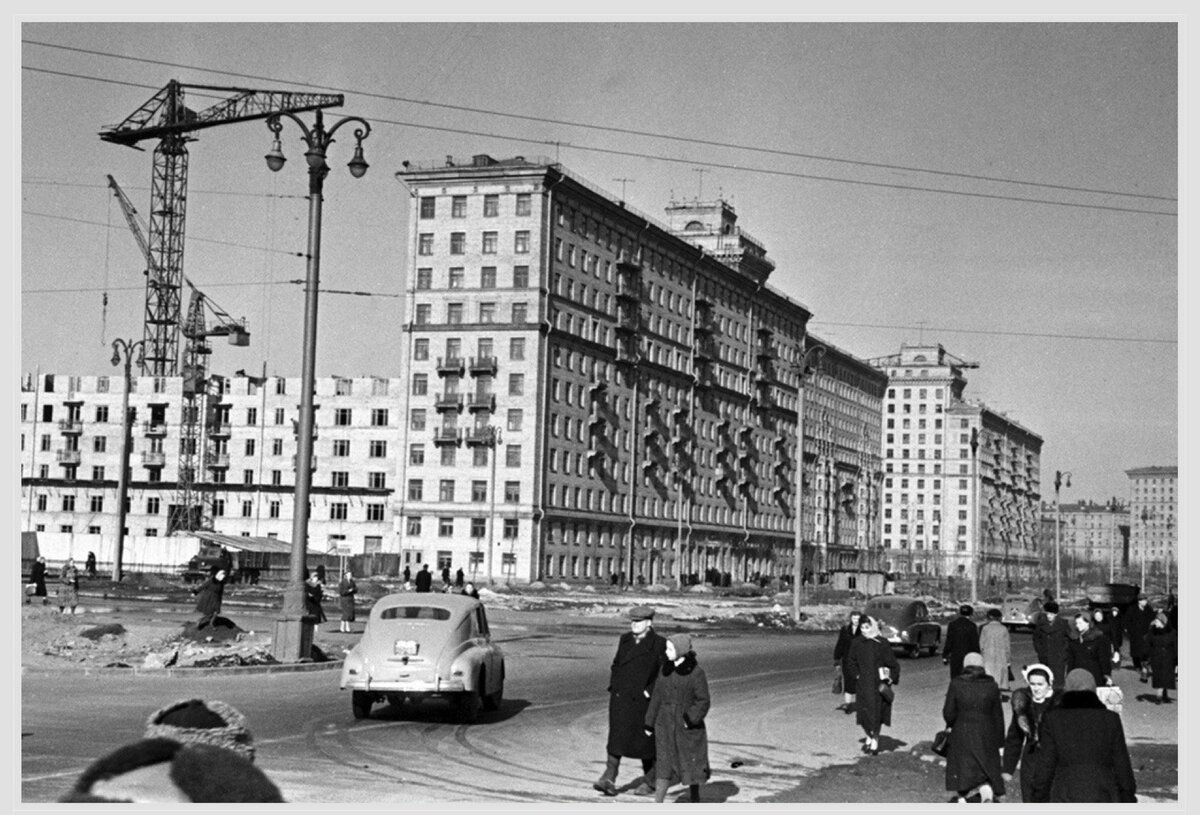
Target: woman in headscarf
{"type": "Point", "coordinates": [68, 586]}
{"type": "Point", "coordinates": [846, 635]}
{"type": "Point", "coordinates": [675, 717]}
{"type": "Point", "coordinates": [1091, 650]}
{"type": "Point", "coordinates": [975, 718]}
{"type": "Point", "coordinates": [1164, 656]}
{"type": "Point", "coordinates": [875, 670]}
{"type": "Point", "coordinates": [1083, 757]}
{"type": "Point", "coordinates": [1029, 704]}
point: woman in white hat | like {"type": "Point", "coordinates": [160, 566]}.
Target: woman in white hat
{"type": "Point", "coordinates": [975, 718]}
{"type": "Point", "coordinates": [1029, 704]}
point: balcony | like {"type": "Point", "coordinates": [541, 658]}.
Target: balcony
{"type": "Point", "coordinates": [219, 430]}
{"type": "Point", "coordinates": [153, 459]}
{"type": "Point", "coordinates": [447, 435]}
{"type": "Point", "coordinates": [449, 366]}
{"type": "Point", "coordinates": [480, 436]}
{"type": "Point", "coordinates": [68, 457]}
{"type": "Point", "coordinates": [481, 401]}
{"type": "Point", "coordinates": [220, 461]}
{"type": "Point", "coordinates": [70, 427]}
{"type": "Point", "coordinates": [448, 401]}
{"type": "Point", "coordinates": [483, 365]}
{"type": "Point", "coordinates": [154, 429]}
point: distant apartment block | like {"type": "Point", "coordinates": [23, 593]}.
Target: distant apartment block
{"type": "Point", "coordinates": [1153, 514]}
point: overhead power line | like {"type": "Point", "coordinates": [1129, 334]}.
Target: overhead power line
{"type": "Point", "coordinates": [995, 333]}
{"type": "Point", "coordinates": [613, 128]}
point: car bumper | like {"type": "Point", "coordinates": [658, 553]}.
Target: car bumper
{"type": "Point", "coordinates": [402, 685]}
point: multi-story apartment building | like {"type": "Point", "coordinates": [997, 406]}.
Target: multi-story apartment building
{"type": "Point", "coordinates": [633, 385]}
{"type": "Point", "coordinates": [1153, 509]}
{"type": "Point", "coordinates": [1093, 539]}
{"type": "Point", "coordinates": [71, 435]}
{"type": "Point", "coordinates": [961, 481]}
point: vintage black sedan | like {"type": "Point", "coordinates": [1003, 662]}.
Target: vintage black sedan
{"type": "Point", "coordinates": [905, 623]}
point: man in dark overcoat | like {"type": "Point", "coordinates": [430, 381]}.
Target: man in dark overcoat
{"type": "Point", "coordinates": [641, 653]}
{"type": "Point", "coordinates": [424, 579]}
{"type": "Point", "coordinates": [962, 638]}
{"type": "Point", "coordinates": [1051, 639]}
{"type": "Point", "coordinates": [1137, 626]}
{"type": "Point", "coordinates": [37, 576]}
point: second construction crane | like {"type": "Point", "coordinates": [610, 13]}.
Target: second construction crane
{"type": "Point", "coordinates": [167, 118]}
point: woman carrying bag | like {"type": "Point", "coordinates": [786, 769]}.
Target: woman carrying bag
{"type": "Point", "coordinates": [875, 670]}
{"type": "Point", "coordinates": [843, 681]}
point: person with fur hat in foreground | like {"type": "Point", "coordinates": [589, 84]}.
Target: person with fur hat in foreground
{"type": "Point", "coordinates": [1083, 757]}
{"type": "Point", "coordinates": [1029, 705]}
{"type": "Point", "coordinates": [975, 718]}
{"type": "Point", "coordinates": [192, 752]}
{"type": "Point", "coordinates": [632, 677]}
{"type": "Point", "coordinates": [875, 670]}
{"type": "Point", "coordinates": [675, 718]}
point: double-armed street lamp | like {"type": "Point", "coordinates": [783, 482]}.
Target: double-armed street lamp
{"type": "Point", "coordinates": [1061, 479]}
{"type": "Point", "coordinates": [125, 350]}
{"type": "Point", "coordinates": [290, 643]}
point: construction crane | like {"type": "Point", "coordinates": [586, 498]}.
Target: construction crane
{"type": "Point", "coordinates": [196, 449]}
{"type": "Point", "coordinates": [167, 118]}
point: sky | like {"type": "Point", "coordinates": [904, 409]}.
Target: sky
{"type": "Point", "coordinates": [1006, 189]}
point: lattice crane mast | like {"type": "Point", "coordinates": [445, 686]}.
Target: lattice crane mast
{"type": "Point", "coordinates": [167, 118]}
{"type": "Point", "coordinates": [192, 441]}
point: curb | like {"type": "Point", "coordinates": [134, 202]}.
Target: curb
{"type": "Point", "coordinates": [180, 673]}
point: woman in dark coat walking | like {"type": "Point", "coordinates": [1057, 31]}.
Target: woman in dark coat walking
{"type": "Point", "coordinates": [1083, 756]}
{"type": "Point", "coordinates": [37, 576]}
{"type": "Point", "coordinates": [1091, 651]}
{"type": "Point", "coordinates": [347, 588]}
{"type": "Point", "coordinates": [875, 670]}
{"type": "Point", "coordinates": [1029, 705]}
{"type": "Point", "coordinates": [1137, 626]}
{"type": "Point", "coordinates": [313, 594]}
{"type": "Point", "coordinates": [1164, 656]}
{"type": "Point", "coordinates": [209, 596]}
{"type": "Point", "coordinates": [973, 713]}
{"type": "Point", "coordinates": [675, 718]}
{"type": "Point", "coordinates": [846, 635]}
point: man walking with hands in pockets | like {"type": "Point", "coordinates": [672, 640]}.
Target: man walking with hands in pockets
{"type": "Point", "coordinates": [637, 664]}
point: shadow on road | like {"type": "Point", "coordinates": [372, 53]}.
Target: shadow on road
{"type": "Point", "coordinates": [440, 711]}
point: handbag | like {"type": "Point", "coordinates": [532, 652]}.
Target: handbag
{"type": "Point", "coordinates": [941, 742]}
{"type": "Point", "coordinates": [837, 681]}
{"type": "Point", "coordinates": [885, 690]}
{"type": "Point", "coordinates": [1112, 697]}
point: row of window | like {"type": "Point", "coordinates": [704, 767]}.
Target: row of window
{"type": "Point", "coordinates": [486, 313]}
{"type": "Point", "coordinates": [484, 348]}
{"type": "Point", "coordinates": [522, 205]}
{"type": "Point", "coordinates": [456, 277]}
{"type": "Point", "coordinates": [445, 527]}
{"type": "Point", "coordinates": [489, 243]}
{"type": "Point", "coordinates": [512, 455]}
{"type": "Point", "coordinates": [479, 491]}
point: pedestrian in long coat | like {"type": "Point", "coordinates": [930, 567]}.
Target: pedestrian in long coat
{"type": "Point", "coordinates": [1029, 705]}
{"type": "Point", "coordinates": [1051, 636]}
{"type": "Point", "coordinates": [209, 596]}
{"type": "Point", "coordinates": [68, 586]}
{"type": "Point", "coordinates": [313, 595]}
{"type": "Point", "coordinates": [1084, 758]}
{"type": "Point", "coordinates": [996, 648]}
{"type": "Point", "coordinates": [37, 576]}
{"type": "Point", "coordinates": [874, 667]}
{"type": "Point", "coordinates": [424, 579]}
{"type": "Point", "coordinates": [1113, 626]}
{"type": "Point", "coordinates": [1164, 655]}
{"type": "Point", "coordinates": [635, 669]}
{"type": "Point", "coordinates": [1137, 626]}
{"type": "Point", "coordinates": [973, 713]}
{"type": "Point", "coordinates": [1091, 650]}
{"type": "Point", "coordinates": [962, 638]}
{"type": "Point", "coordinates": [675, 717]}
{"type": "Point", "coordinates": [347, 589]}
{"type": "Point", "coordinates": [846, 635]}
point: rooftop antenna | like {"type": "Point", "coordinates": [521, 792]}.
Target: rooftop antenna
{"type": "Point", "coordinates": [623, 181]}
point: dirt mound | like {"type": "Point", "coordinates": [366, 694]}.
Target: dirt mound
{"type": "Point", "coordinates": [219, 629]}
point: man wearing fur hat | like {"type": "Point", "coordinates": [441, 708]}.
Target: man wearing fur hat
{"type": "Point", "coordinates": [637, 664]}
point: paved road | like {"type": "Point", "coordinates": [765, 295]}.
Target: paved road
{"type": "Point", "coordinates": [773, 713]}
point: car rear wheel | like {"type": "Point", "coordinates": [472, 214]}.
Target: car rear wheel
{"type": "Point", "coordinates": [469, 704]}
{"type": "Point", "coordinates": [360, 703]}
{"type": "Point", "coordinates": [492, 701]}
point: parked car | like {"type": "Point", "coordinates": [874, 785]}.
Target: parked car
{"type": "Point", "coordinates": [1020, 612]}
{"type": "Point", "coordinates": [417, 646]}
{"type": "Point", "coordinates": [905, 623]}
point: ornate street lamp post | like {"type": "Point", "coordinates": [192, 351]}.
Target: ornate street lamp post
{"type": "Point", "coordinates": [290, 643]}
{"type": "Point", "coordinates": [124, 349]}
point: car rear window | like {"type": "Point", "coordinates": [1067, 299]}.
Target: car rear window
{"type": "Point", "coordinates": [415, 613]}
